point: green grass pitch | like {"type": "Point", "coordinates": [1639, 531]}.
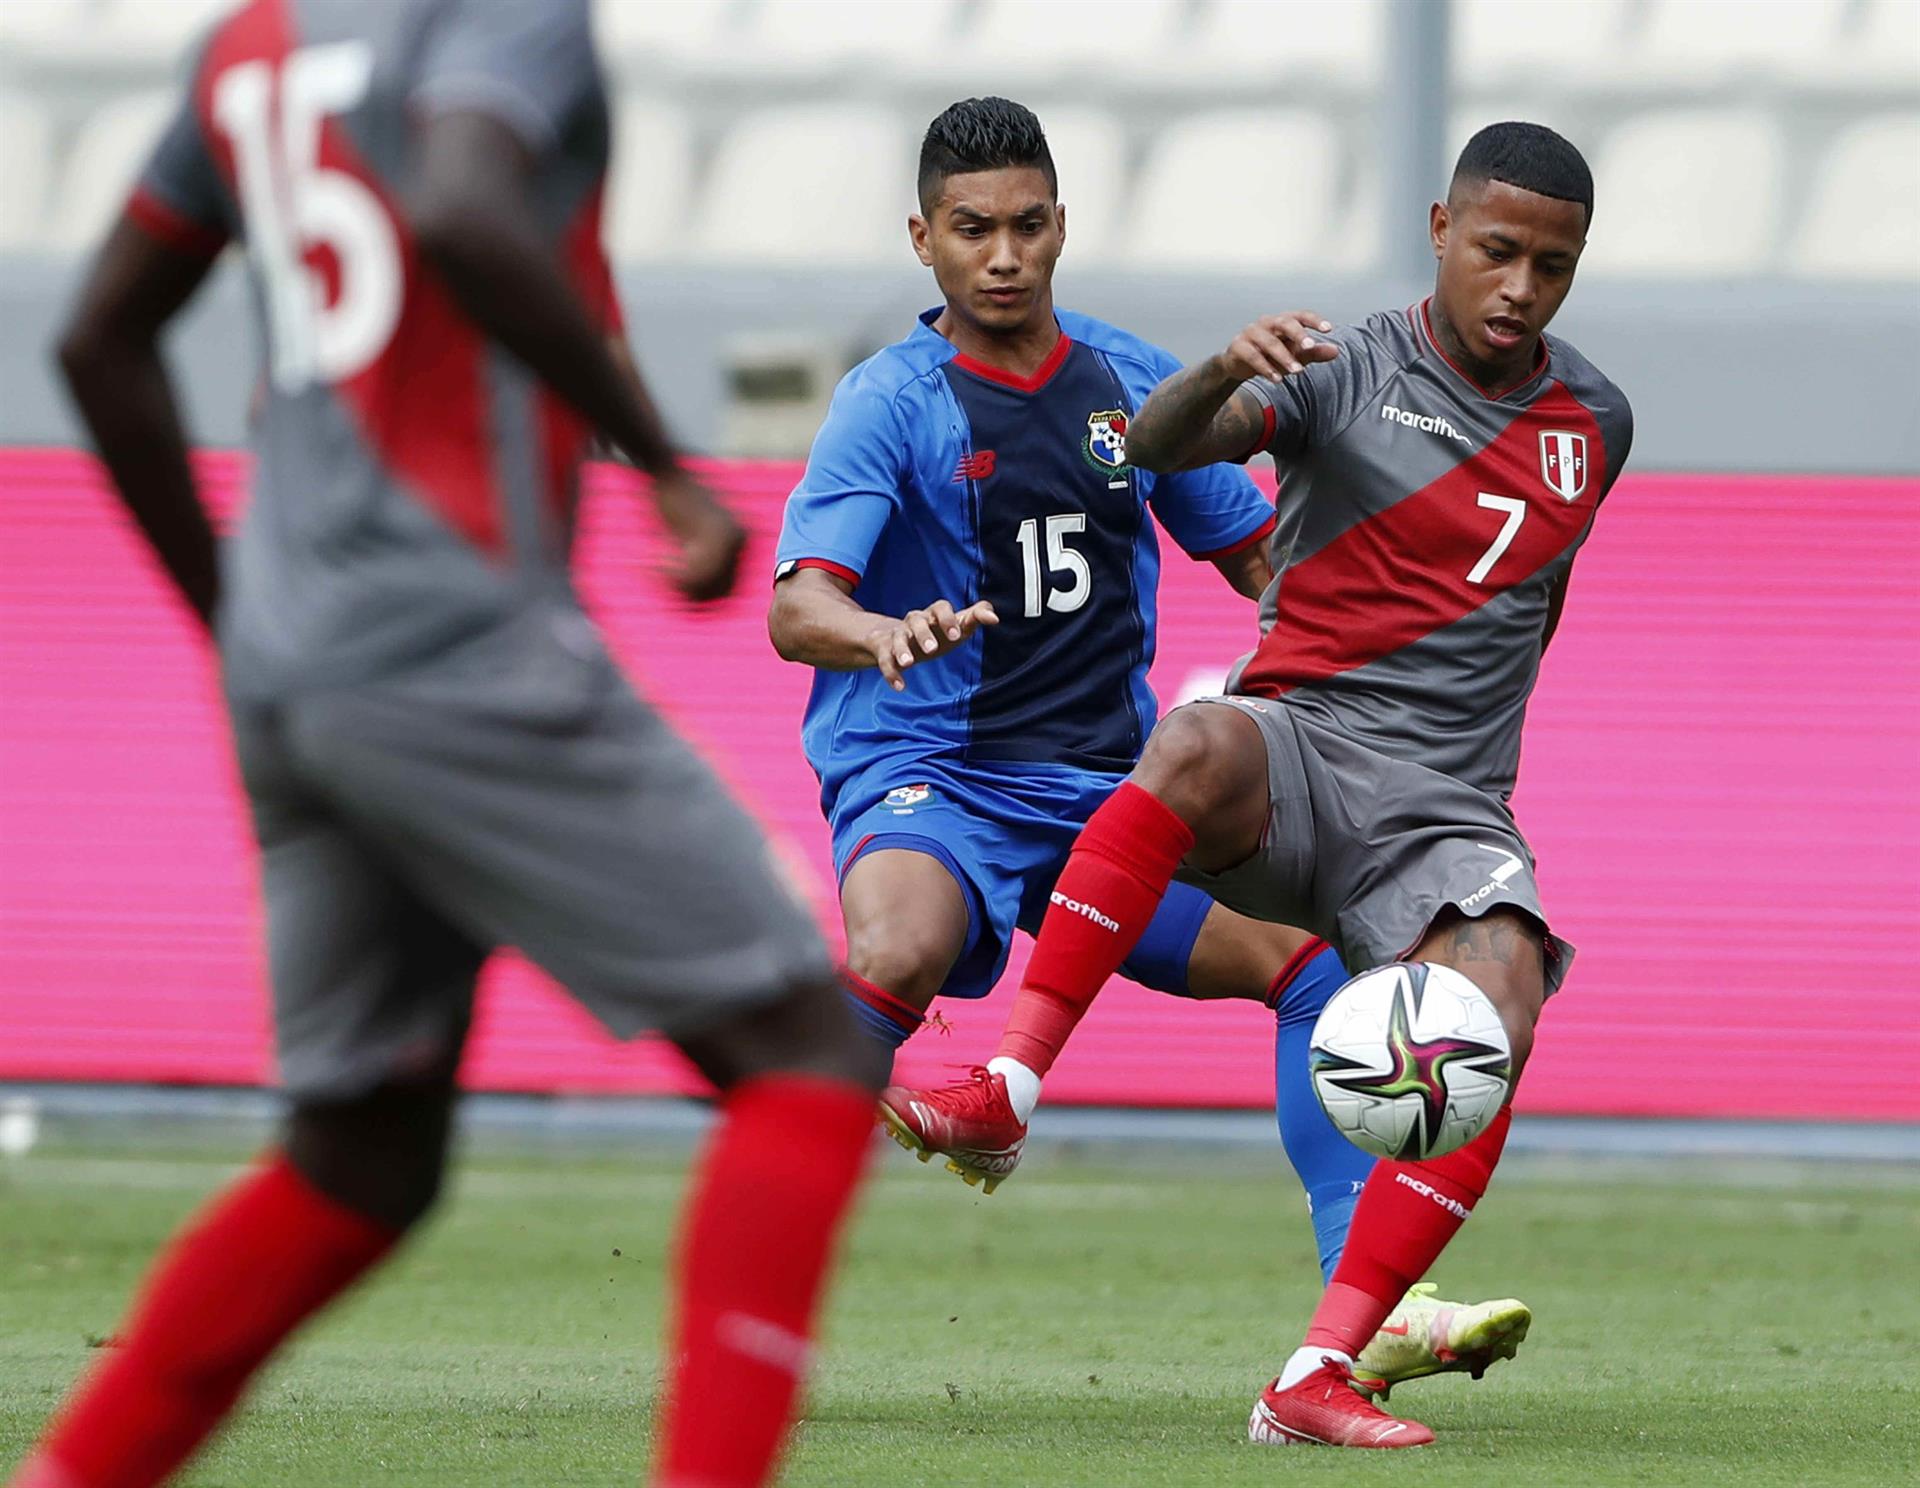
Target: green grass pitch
{"type": "Point", "coordinates": [1082, 1327]}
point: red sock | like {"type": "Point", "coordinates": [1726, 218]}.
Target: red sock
{"type": "Point", "coordinates": [1406, 1215]}
{"type": "Point", "coordinates": [1113, 883]}
{"type": "Point", "coordinates": [756, 1238]}
{"type": "Point", "coordinates": [257, 1262]}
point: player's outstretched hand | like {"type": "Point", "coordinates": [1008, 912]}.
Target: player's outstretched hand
{"type": "Point", "coordinates": [921, 635]}
{"type": "Point", "coordinates": [1279, 345]}
{"type": "Point", "coordinates": [710, 539]}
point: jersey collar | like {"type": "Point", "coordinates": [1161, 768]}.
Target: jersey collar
{"type": "Point", "coordinates": [1043, 374]}
{"type": "Point", "coordinates": [1422, 321]}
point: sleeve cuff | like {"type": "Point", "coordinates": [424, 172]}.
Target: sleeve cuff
{"type": "Point", "coordinates": [1269, 420]}
{"type": "Point", "coordinates": [1258, 535]}
{"type": "Point", "coordinates": [794, 565]}
{"type": "Point", "coordinates": [173, 228]}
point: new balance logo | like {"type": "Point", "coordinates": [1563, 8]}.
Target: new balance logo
{"type": "Point", "coordinates": [1074, 906]}
{"type": "Point", "coordinates": [1426, 1190]}
{"type": "Point", "coordinates": [975, 467]}
{"type": "Point", "coordinates": [1426, 423]}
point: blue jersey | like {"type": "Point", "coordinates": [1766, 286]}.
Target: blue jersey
{"type": "Point", "coordinates": [938, 477]}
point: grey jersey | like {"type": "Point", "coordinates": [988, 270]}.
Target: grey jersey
{"type": "Point", "coordinates": [414, 483]}
{"type": "Point", "coordinates": [1423, 527]}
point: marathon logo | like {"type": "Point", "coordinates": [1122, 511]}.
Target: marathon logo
{"type": "Point", "coordinates": [1426, 423]}
{"type": "Point", "coordinates": [1087, 911]}
{"type": "Point", "coordinates": [1428, 1191]}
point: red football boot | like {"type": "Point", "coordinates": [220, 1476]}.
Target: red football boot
{"type": "Point", "coordinates": [971, 1124]}
{"type": "Point", "coordinates": [1323, 1410]}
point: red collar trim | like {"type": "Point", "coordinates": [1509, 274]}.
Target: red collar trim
{"type": "Point", "coordinates": [1056, 359]}
{"type": "Point", "coordinates": [1425, 325]}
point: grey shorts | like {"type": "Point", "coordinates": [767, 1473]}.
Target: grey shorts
{"type": "Point", "coordinates": [1366, 850]}
{"type": "Point", "coordinates": [513, 792]}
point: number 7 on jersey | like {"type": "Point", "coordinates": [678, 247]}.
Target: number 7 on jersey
{"type": "Point", "coordinates": [1516, 511]}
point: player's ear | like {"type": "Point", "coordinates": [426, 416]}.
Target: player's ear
{"type": "Point", "coordinates": [1439, 219]}
{"type": "Point", "coordinates": [917, 230]}
{"type": "Point", "coordinates": [1060, 220]}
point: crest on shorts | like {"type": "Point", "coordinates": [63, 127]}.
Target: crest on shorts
{"type": "Point", "coordinates": [907, 795]}
{"type": "Point", "coordinates": [1563, 463]}
{"type": "Point", "coordinates": [1106, 442]}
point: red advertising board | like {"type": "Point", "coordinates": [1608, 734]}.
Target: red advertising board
{"type": "Point", "coordinates": [1719, 779]}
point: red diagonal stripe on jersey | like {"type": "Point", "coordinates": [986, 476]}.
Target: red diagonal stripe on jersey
{"type": "Point", "coordinates": [1386, 582]}
{"type": "Point", "coordinates": [421, 404]}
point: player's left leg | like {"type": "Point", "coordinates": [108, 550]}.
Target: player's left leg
{"type": "Point", "coordinates": [1409, 1211]}
{"type": "Point", "coordinates": [1233, 956]}
{"type": "Point", "coordinates": [371, 997]}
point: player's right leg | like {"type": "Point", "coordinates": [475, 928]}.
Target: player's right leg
{"type": "Point", "coordinates": [1199, 795]}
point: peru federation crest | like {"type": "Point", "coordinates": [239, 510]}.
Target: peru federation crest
{"type": "Point", "coordinates": [1106, 446]}
{"type": "Point", "coordinates": [1563, 463]}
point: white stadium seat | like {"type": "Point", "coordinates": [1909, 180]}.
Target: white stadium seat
{"type": "Point", "coordinates": [1028, 39]}
{"type": "Point", "coordinates": [641, 35]}
{"type": "Point", "coordinates": [1863, 214]}
{"type": "Point", "coordinates": [1246, 189]}
{"type": "Point", "coordinates": [650, 187]}
{"type": "Point", "coordinates": [1687, 193]}
{"type": "Point", "coordinates": [1090, 153]}
{"type": "Point", "coordinates": [155, 28]}
{"type": "Point", "coordinates": [39, 22]}
{"type": "Point", "coordinates": [1500, 41]}
{"type": "Point", "coordinates": [1703, 41]}
{"type": "Point", "coordinates": [1884, 48]}
{"type": "Point", "coordinates": [26, 169]}
{"type": "Point", "coordinates": [1293, 41]}
{"type": "Point", "coordinates": [813, 184]}
{"type": "Point", "coordinates": [107, 155]}
{"type": "Point", "coordinates": [820, 32]}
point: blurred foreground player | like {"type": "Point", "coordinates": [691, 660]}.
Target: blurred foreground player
{"type": "Point", "coordinates": [1441, 468]}
{"type": "Point", "coordinates": [441, 756]}
{"type": "Point", "coordinates": [970, 565]}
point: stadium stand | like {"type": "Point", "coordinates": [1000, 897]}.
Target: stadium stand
{"type": "Point", "coordinates": [1261, 40]}
{"type": "Point", "coordinates": [26, 152]}
{"type": "Point", "coordinates": [1193, 208]}
{"type": "Point", "coordinates": [1706, 187]}
{"type": "Point", "coordinates": [651, 185]}
{"type": "Point", "coordinates": [101, 165]}
{"type": "Point", "coordinates": [780, 189]}
{"type": "Point", "coordinates": [1791, 88]}
{"type": "Point", "coordinates": [1854, 226]}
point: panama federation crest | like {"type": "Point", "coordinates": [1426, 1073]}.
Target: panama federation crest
{"type": "Point", "coordinates": [1563, 463]}
{"type": "Point", "coordinates": [906, 797]}
{"type": "Point", "coordinates": [1106, 442]}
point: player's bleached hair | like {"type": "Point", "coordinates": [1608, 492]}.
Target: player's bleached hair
{"type": "Point", "coordinates": [1530, 156]}
{"type": "Point", "coordinates": [981, 134]}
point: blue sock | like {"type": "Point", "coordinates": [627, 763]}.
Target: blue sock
{"type": "Point", "coordinates": [1331, 1169]}
{"type": "Point", "coordinates": [883, 1017]}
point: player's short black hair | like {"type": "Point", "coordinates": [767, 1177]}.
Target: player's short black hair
{"type": "Point", "coordinates": [1530, 156]}
{"type": "Point", "coordinates": [980, 134]}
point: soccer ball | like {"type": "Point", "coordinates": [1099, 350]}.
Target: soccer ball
{"type": "Point", "coordinates": [1410, 1060]}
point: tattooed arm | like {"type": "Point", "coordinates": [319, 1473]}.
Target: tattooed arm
{"type": "Point", "coordinates": [1204, 415]}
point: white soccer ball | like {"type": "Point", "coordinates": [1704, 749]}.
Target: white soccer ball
{"type": "Point", "coordinates": [1410, 1060]}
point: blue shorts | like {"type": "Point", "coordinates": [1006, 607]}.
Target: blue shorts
{"type": "Point", "coordinates": [1003, 831]}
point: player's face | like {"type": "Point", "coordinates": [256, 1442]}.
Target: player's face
{"type": "Point", "coordinates": [992, 240]}
{"type": "Point", "coordinates": [1507, 258]}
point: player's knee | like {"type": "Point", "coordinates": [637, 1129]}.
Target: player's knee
{"type": "Point", "coordinates": [382, 1155]}
{"type": "Point", "coordinates": [904, 958]}
{"type": "Point", "coordinates": [1207, 763]}
{"type": "Point", "coordinates": [1503, 952]}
